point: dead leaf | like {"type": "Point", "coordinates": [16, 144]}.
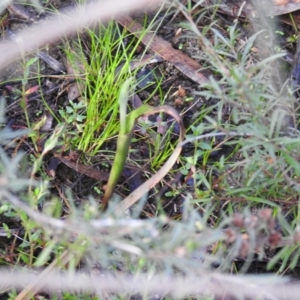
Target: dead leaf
{"type": "Point", "coordinates": [182, 62]}
{"type": "Point", "coordinates": [83, 169]}
{"type": "Point", "coordinates": [181, 91]}
{"type": "Point", "coordinates": [238, 8]}
{"type": "Point", "coordinates": [32, 90]}
{"type": "Point", "coordinates": [281, 7]}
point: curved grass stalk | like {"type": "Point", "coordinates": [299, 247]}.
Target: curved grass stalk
{"type": "Point", "coordinates": [127, 124]}
{"type": "Point", "coordinates": [162, 172]}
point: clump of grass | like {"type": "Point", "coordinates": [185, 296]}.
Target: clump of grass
{"type": "Point", "coordinates": [111, 49]}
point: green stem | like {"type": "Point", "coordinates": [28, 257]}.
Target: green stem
{"type": "Point", "coordinates": [123, 144]}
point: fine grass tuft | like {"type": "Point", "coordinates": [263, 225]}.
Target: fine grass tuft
{"type": "Point", "coordinates": [106, 66]}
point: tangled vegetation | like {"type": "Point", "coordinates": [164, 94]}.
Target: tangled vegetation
{"type": "Point", "coordinates": [194, 184]}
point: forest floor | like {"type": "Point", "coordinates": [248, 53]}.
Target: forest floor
{"type": "Point", "coordinates": [217, 87]}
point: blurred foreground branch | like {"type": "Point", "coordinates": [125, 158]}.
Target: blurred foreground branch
{"type": "Point", "coordinates": [250, 287]}
{"type": "Point", "coordinates": [61, 25]}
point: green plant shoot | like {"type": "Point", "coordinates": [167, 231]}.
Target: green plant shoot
{"type": "Point", "coordinates": [127, 123]}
